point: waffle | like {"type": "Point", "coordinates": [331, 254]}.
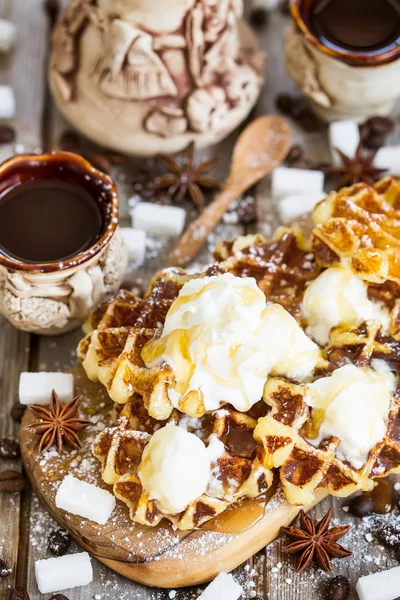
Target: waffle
{"type": "Point", "coordinates": [117, 331]}
{"type": "Point", "coordinates": [236, 474]}
{"type": "Point", "coordinates": [361, 345]}
{"type": "Point", "coordinates": [282, 268]}
{"type": "Point", "coordinates": [303, 467]}
{"type": "Point", "coordinates": [360, 227]}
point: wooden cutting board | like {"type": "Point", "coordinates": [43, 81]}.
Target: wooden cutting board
{"type": "Point", "coordinates": [155, 556]}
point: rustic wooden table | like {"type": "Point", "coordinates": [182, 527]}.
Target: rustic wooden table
{"type": "Point", "coordinates": [24, 524]}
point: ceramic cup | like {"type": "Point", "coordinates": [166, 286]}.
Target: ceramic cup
{"type": "Point", "coordinates": [54, 297]}
{"type": "Point", "coordinates": [340, 83]}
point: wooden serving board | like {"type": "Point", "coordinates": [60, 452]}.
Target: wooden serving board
{"type": "Point", "coordinates": [155, 556]}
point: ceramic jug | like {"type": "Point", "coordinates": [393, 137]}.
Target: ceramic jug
{"type": "Point", "coordinates": [149, 76]}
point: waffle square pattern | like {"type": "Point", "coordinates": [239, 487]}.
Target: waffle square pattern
{"type": "Point", "coordinates": [277, 363]}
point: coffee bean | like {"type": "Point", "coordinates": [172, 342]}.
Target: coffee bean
{"type": "Point", "coordinates": [19, 594]}
{"type": "Point", "coordinates": [9, 448]}
{"type": "Point", "coordinates": [365, 131]}
{"type": "Point", "coordinates": [374, 141]}
{"type": "Point", "coordinates": [284, 102]}
{"type": "Point", "coordinates": [17, 412]}
{"type": "Point", "coordinates": [361, 506]}
{"type": "Point", "coordinates": [380, 125]}
{"type": "Point", "coordinates": [296, 152]}
{"type": "Point", "coordinates": [303, 163]}
{"type": "Point", "coordinates": [11, 481]}
{"type": "Point", "coordinates": [247, 210]}
{"type": "Point", "coordinates": [300, 108]}
{"type": "Point", "coordinates": [7, 134]}
{"type": "Point", "coordinates": [308, 121]}
{"type": "Point", "coordinates": [4, 570]}
{"type": "Point", "coordinates": [337, 588]}
{"type": "Point", "coordinates": [70, 141]}
{"type": "Point", "coordinates": [285, 7]}
{"type": "Point", "coordinates": [258, 17]}
{"type": "Point", "coordinates": [58, 542]}
{"type": "Point", "coordinates": [59, 597]}
{"type": "Point", "coordinates": [100, 162]}
{"type": "Point", "coordinates": [389, 536]}
{"type": "Point", "coordinates": [52, 6]}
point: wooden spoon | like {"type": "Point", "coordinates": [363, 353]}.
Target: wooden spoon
{"type": "Point", "coordinates": [262, 146]}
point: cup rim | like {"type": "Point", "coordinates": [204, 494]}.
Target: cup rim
{"type": "Point", "coordinates": [350, 57]}
{"type": "Point", "coordinates": [109, 187]}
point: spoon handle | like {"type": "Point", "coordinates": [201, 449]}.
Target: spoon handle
{"type": "Point", "coordinates": [197, 233]}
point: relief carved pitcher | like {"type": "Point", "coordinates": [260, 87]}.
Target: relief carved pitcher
{"type": "Point", "coordinates": [149, 76]}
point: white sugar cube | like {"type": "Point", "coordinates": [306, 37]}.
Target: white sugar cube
{"type": "Point", "coordinates": [7, 102]}
{"type": "Point", "coordinates": [267, 4]}
{"type": "Point", "coordinates": [384, 585]}
{"type": "Point", "coordinates": [286, 181]}
{"type": "Point", "coordinates": [85, 499]}
{"type": "Point", "coordinates": [224, 587]}
{"type": "Point", "coordinates": [344, 135]}
{"type": "Point", "coordinates": [36, 388]}
{"type": "Point", "coordinates": [156, 219]}
{"type": "Point", "coordinates": [135, 241]}
{"type": "Point", "coordinates": [388, 157]}
{"type": "Point", "coordinates": [63, 573]}
{"type": "Point", "coordinates": [291, 207]}
{"type": "Point", "coordinates": [8, 33]}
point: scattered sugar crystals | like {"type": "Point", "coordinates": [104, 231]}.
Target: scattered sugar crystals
{"type": "Point", "coordinates": [65, 572]}
{"type": "Point", "coordinates": [85, 499]}
{"type": "Point", "coordinates": [36, 388]}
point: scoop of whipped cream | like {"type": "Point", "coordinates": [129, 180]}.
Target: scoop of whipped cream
{"type": "Point", "coordinates": [222, 341]}
{"type": "Point", "coordinates": [352, 404]}
{"type": "Point", "coordinates": [335, 297]}
{"type": "Point", "coordinates": [175, 468]}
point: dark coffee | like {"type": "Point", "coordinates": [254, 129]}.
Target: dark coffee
{"type": "Point", "coordinates": [47, 221]}
{"type": "Point", "coordinates": [364, 26]}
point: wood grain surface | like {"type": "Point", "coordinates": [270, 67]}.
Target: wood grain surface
{"type": "Point", "coordinates": [24, 522]}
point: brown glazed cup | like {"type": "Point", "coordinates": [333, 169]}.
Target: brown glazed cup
{"type": "Point", "coordinates": [340, 83]}
{"type": "Point", "coordinates": [54, 297]}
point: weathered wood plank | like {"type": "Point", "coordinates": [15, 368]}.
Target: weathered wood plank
{"type": "Point", "coordinates": [24, 71]}
{"type": "Point", "coordinates": [14, 358]}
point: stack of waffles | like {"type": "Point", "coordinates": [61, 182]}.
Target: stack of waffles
{"type": "Point", "coordinates": [341, 290]}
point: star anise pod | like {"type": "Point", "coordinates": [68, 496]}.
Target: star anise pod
{"type": "Point", "coordinates": [186, 178]}
{"type": "Point", "coordinates": [354, 170]}
{"type": "Point", "coordinates": [58, 424]}
{"type": "Point", "coordinates": [316, 542]}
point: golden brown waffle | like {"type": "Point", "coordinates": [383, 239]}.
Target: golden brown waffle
{"type": "Point", "coordinates": [361, 345]}
{"type": "Point", "coordinates": [110, 352]}
{"type": "Point", "coordinates": [304, 467]}
{"type": "Point", "coordinates": [236, 474]}
{"type": "Point", "coordinates": [118, 330]}
{"type": "Point", "coordinates": [281, 267]}
{"type": "Point", "coordinates": [360, 226]}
